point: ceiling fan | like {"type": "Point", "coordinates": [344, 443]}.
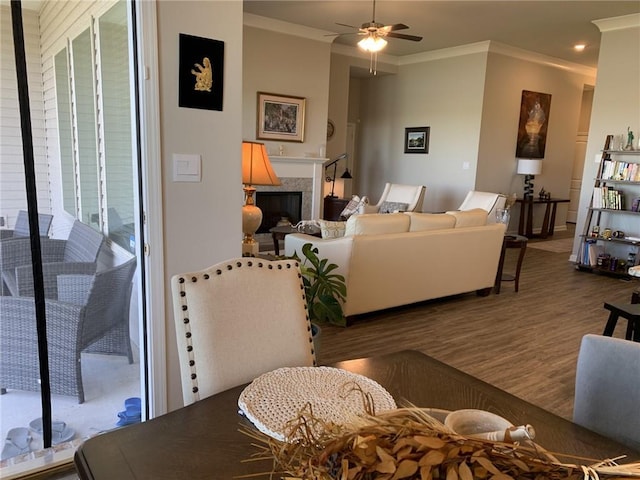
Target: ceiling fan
{"type": "Point", "coordinates": [374, 36]}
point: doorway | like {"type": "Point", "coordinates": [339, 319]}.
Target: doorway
{"type": "Point", "coordinates": [580, 153]}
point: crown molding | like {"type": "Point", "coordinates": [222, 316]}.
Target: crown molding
{"type": "Point", "coordinates": [265, 23]}
{"type": "Point", "coordinates": [508, 50]}
{"type": "Point", "coordinates": [618, 23]}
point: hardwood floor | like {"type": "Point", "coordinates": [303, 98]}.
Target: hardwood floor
{"type": "Point", "coordinates": [525, 343]}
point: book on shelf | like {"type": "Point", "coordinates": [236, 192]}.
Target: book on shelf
{"type": "Point", "coordinates": [619, 170]}
{"type": "Point", "coordinates": [635, 204]}
{"type": "Point", "coordinates": [608, 197]}
{"type": "Point", "coordinates": [590, 252]}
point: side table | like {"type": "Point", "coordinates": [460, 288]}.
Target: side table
{"type": "Point", "coordinates": [511, 241]}
{"type": "Point", "coordinates": [333, 207]}
{"type": "Point", "coordinates": [278, 233]}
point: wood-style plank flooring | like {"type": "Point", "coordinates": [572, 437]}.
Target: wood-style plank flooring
{"type": "Point", "coordinates": [525, 343]}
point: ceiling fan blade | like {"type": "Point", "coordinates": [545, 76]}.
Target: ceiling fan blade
{"type": "Point", "coordinates": [345, 25]}
{"type": "Point", "coordinates": [403, 36]}
{"type": "Point", "coordinates": [397, 26]}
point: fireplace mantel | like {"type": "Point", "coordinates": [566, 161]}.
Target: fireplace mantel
{"type": "Point", "coordinates": [303, 167]}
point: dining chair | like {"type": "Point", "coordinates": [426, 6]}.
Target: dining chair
{"type": "Point", "coordinates": [607, 395]}
{"type": "Point", "coordinates": [237, 320]}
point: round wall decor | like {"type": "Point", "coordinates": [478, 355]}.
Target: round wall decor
{"type": "Point", "coordinates": [331, 128]}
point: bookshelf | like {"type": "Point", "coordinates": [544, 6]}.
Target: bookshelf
{"type": "Point", "coordinates": [607, 247]}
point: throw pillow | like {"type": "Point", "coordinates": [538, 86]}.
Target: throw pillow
{"type": "Point", "coordinates": [392, 207]}
{"type": "Point", "coordinates": [351, 208]}
{"type": "Point", "coordinates": [332, 229]}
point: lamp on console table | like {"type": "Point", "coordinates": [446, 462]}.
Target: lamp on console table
{"type": "Point", "coordinates": [256, 170]}
{"type": "Point", "coordinates": [529, 168]}
{"type": "Point", "coordinates": [332, 178]}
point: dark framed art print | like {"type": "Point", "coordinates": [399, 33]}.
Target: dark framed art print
{"type": "Point", "coordinates": [416, 140]}
{"type": "Point", "coordinates": [200, 79]}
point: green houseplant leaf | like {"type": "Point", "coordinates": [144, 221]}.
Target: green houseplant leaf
{"type": "Point", "coordinates": [323, 289]}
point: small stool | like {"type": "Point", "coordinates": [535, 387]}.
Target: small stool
{"type": "Point", "coordinates": [625, 310]}
{"type": "Point", "coordinates": [511, 241]}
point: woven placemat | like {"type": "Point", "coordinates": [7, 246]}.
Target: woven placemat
{"type": "Point", "coordinates": [332, 394]}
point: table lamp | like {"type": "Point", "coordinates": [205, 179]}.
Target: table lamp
{"type": "Point", "coordinates": [332, 178]}
{"type": "Point", "coordinates": [529, 168]}
{"type": "Point", "coordinates": [256, 170]}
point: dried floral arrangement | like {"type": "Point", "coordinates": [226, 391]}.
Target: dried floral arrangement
{"type": "Point", "coordinates": [408, 443]}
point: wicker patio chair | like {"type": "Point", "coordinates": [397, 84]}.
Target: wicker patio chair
{"type": "Point", "coordinates": [75, 255]}
{"type": "Point", "coordinates": [21, 228]}
{"type": "Point", "coordinates": [88, 308]}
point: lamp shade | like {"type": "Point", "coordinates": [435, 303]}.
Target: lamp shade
{"type": "Point", "coordinates": [527, 166]}
{"type": "Point", "coordinates": [256, 167]}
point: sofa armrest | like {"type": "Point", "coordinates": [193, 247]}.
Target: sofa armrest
{"type": "Point", "coordinates": [336, 250]}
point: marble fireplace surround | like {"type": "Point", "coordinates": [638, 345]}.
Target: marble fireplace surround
{"type": "Point", "coordinates": [298, 174]}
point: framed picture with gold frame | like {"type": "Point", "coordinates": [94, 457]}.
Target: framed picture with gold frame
{"type": "Point", "coordinates": [280, 117]}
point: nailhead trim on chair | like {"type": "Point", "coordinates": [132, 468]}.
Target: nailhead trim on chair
{"type": "Point", "coordinates": [206, 276]}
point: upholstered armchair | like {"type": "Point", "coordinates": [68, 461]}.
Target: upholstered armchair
{"type": "Point", "coordinates": [21, 227]}
{"type": "Point", "coordinates": [87, 309]}
{"type": "Point", "coordinates": [76, 255]}
{"type": "Point", "coordinates": [485, 200]}
{"type": "Point", "coordinates": [398, 197]}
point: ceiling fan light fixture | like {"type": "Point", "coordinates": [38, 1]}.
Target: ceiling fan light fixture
{"type": "Point", "coordinates": [372, 43]}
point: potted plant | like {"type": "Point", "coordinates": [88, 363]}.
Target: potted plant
{"type": "Point", "coordinates": [324, 290]}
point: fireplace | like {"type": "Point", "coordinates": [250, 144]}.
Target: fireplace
{"type": "Point", "coordinates": [278, 206]}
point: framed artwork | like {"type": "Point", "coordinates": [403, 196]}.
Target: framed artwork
{"type": "Point", "coordinates": [280, 117]}
{"type": "Point", "coordinates": [532, 129]}
{"type": "Point", "coordinates": [416, 140]}
{"type": "Point", "coordinates": [201, 72]}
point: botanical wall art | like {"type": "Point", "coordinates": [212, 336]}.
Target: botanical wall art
{"type": "Point", "coordinates": [280, 117]}
{"type": "Point", "coordinates": [532, 130]}
{"type": "Point", "coordinates": [201, 72]}
{"type": "Point", "coordinates": [416, 140]}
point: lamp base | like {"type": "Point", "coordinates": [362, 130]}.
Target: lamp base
{"type": "Point", "coordinates": [250, 249]}
{"type": "Point", "coordinates": [251, 220]}
{"type": "Point", "coordinates": [528, 186]}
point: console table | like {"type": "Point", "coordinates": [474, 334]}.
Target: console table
{"type": "Point", "coordinates": [548, 223]}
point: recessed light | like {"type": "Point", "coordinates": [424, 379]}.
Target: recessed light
{"type": "Point", "coordinates": [578, 47]}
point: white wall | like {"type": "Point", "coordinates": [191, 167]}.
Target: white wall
{"type": "Point", "coordinates": [507, 76]}
{"type": "Point", "coordinates": [616, 106]}
{"type": "Point", "coordinates": [284, 64]}
{"type": "Point", "coordinates": [444, 94]}
{"type": "Point", "coordinates": [202, 221]}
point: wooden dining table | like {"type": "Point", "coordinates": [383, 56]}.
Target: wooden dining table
{"type": "Point", "coordinates": [203, 440]}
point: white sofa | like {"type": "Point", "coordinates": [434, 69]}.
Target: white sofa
{"type": "Point", "coordinates": [397, 259]}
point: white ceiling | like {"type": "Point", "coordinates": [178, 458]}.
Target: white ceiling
{"type": "Point", "coordinates": [546, 27]}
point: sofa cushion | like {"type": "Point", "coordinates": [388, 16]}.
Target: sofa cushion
{"type": "Point", "coordinates": [421, 222]}
{"type": "Point", "coordinates": [376, 224]}
{"type": "Point", "coordinates": [475, 217]}
{"type": "Point", "coordinates": [330, 229]}
{"type": "Point", "coordinates": [393, 207]}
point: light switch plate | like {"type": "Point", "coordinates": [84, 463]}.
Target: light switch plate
{"type": "Point", "coordinates": [186, 167]}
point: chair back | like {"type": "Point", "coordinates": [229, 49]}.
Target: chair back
{"type": "Point", "coordinates": [412, 195]}
{"type": "Point", "coordinates": [21, 228]}
{"type": "Point", "coordinates": [83, 244]}
{"type": "Point", "coordinates": [485, 200]}
{"type": "Point", "coordinates": [607, 396]}
{"type": "Point", "coordinates": [108, 301]}
{"type": "Point", "coordinates": [237, 320]}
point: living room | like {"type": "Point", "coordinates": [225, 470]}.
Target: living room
{"type": "Point", "coordinates": [484, 141]}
